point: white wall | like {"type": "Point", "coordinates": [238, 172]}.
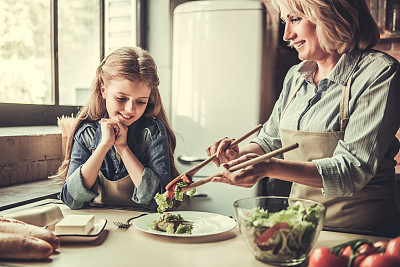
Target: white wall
{"type": "Point", "coordinates": [159, 45]}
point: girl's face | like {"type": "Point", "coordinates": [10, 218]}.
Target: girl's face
{"type": "Point", "coordinates": [301, 33]}
{"type": "Point", "coordinates": [125, 101]}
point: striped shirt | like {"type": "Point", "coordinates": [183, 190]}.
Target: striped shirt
{"type": "Point", "coordinates": [374, 110]}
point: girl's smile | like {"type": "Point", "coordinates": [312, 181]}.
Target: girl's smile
{"type": "Point", "coordinates": [126, 101]}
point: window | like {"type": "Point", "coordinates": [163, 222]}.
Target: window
{"type": "Point", "coordinates": [49, 51]}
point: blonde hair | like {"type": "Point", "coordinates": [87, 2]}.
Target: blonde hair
{"type": "Point", "coordinates": [136, 65]}
{"type": "Point", "coordinates": [341, 25]}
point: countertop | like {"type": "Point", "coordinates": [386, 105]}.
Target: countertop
{"type": "Point", "coordinates": [133, 247]}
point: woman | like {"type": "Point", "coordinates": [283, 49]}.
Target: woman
{"type": "Point", "coordinates": [120, 150]}
{"type": "Point", "coordinates": [341, 104]}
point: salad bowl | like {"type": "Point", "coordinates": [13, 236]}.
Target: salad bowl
{"type": "Point", "coordinates": [279, 231]}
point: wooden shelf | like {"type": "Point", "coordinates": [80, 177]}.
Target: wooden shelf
{"type": "Point", "coordinates": [387, 35]}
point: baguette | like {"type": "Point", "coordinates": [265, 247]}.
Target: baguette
{"type": "Point", "coordinates": [23, 247]}
{"type": "Point", "coordinates": [10, 225]}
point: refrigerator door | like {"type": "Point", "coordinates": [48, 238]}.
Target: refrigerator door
{"type": "Point", "coordinates": [216, 87]}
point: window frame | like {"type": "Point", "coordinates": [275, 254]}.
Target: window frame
{"type": "Point", "coordinates": [40, 115]}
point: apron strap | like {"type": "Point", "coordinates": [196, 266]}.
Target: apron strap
{"type": "Point", "coordinates": [344, 106]}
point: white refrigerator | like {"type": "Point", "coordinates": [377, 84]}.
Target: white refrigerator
{"type": "Point", "coordinates": [216, 88]}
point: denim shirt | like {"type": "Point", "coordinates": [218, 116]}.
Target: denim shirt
{"type": "Point", "coordinates": [147, 138]}
{"type": "Point", "coordinates": [374, 108]}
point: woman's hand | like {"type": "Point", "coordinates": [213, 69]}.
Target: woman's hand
{"type": "Point", "coordinates": [224, 154]}
{"type": "Point", "coordinates": [246, 177]}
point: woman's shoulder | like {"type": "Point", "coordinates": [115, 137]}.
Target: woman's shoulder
{"type": "Point", "coordinates": [378, 58]}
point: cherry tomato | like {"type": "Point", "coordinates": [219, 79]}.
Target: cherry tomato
{"type": "Point", "coordinates": [347, 251]}
{"type": "Point", "coordinates": [367, 249]}
{"type": "Point", "coordinates": [357, 261]}
{"type": "Point", "coordinates": [322, 256]}
{"type": "Point", "coordinates": [380, 260]}
{"type": "Point", "coordinates": [380, 245]}
{"type": "Point", "coordinates": [393, 248]}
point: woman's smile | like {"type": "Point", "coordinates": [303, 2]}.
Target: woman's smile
{"type": "Point", "coordinates": [298, 45]}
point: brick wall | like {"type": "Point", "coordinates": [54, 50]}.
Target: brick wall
{"type": "Point", "coordinates": [29, 156]}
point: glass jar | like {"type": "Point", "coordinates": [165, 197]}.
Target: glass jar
{"type": "Point", "coordinates": [396, 19]}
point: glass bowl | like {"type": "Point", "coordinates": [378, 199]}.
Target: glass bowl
{"type": "Point", "coordinates": [279, 230]}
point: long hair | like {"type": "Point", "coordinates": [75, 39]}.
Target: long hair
{"type": "Point", "coordinates": [136, 65]}
{"type": "Point", "coordinates": [341, 25]}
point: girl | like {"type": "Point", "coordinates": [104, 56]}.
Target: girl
{"type": "Point", "coordinates": [120, 149]}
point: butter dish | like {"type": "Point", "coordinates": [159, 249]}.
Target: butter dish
{"type": "Point", "coordinates": [98, 228]}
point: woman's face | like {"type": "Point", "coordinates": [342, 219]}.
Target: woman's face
{"type": "Point", "coordinates": [125, 101]}
{"type": "Point", "coordinates": [301, 33]}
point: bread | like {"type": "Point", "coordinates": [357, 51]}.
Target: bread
{"type": "Point", "coordinates": [24, 247]}
{"type": "Point", "coordinates": [14, 226]}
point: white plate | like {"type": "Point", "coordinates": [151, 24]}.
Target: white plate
{"type": "Point", "coordinates": [204, 223]}
{"type": "Point", "coordinates": [99, 225]}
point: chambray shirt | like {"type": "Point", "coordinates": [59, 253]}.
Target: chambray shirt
{"type": "Point", "coordinates": [156, 161]}
{"type": "Point", "coordinates": [374, 111]}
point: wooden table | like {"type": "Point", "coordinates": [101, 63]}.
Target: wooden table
{"type": "Point", "coordinates": [136, 248]}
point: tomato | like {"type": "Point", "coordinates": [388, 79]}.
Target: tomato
{"type": "Point", "coordinates": [380, 246]}
{"type": "Point", "coordinates": [322, 256]}
{"type": "Point", "coordinates": [380, 260]}
{"type": "Point", "coordinates": [171, 192]}
{"type": "Point", "coordinates": [357, 261]}
{"type": "Point", "coordinates": [185, 179]}
{"type": "Point", "coordinates": [393, 247]}
{"type": "Point", "coordinates": [367, 249]}
{"type": "Point", "coordinates": [347, 251]}
{"type": "Point", "coordinates": [263, 238]}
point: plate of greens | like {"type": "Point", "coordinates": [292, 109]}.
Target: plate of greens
{"type": "Point", "coordinates": [184, 223]}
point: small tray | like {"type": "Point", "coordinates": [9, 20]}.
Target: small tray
{"type": "Point", "coordinates": [99, 225]}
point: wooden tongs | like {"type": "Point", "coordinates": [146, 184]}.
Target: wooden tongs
{"type": "Point", "coordinates": [196, 168]}
{"type": "Point", "coordinates": [242, 165]}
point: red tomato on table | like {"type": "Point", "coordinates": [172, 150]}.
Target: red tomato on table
{"type": "Point", "coordinates": [322, 256]}
{"type": "Point", "coordinates": [367, 249]}
{"type": "Point", "coordinates": [393, 247]}
{"type": "Point", "coordinates": [380, 260]}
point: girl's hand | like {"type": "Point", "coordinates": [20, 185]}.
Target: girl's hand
{"type": "Point", "coordinates": [109, 131]}
{"type": "Point", "coordinates": [122, 136]}
{"type": "Point", "coordinates": [224, 155]}
{"type": "Point", "coordinates": [246, 177]}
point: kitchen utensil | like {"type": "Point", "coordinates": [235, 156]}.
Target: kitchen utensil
{"type": "Point", "coordinates": [127, 224]}
{"type": "Point", "coordinates": [242, 165]}
{"type": "Point", "coordinates": [196, 168]}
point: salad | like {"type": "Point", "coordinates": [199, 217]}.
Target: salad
{"type": "Point", "coordinates": [172, 224]}
{"type": "Point", "coordinates": [166, 200]}
{"type": "Point", "coordinates": [284, 235]}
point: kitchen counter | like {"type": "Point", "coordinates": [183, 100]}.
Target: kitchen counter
{"type": "Point", "coordinates": [133, 247]}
